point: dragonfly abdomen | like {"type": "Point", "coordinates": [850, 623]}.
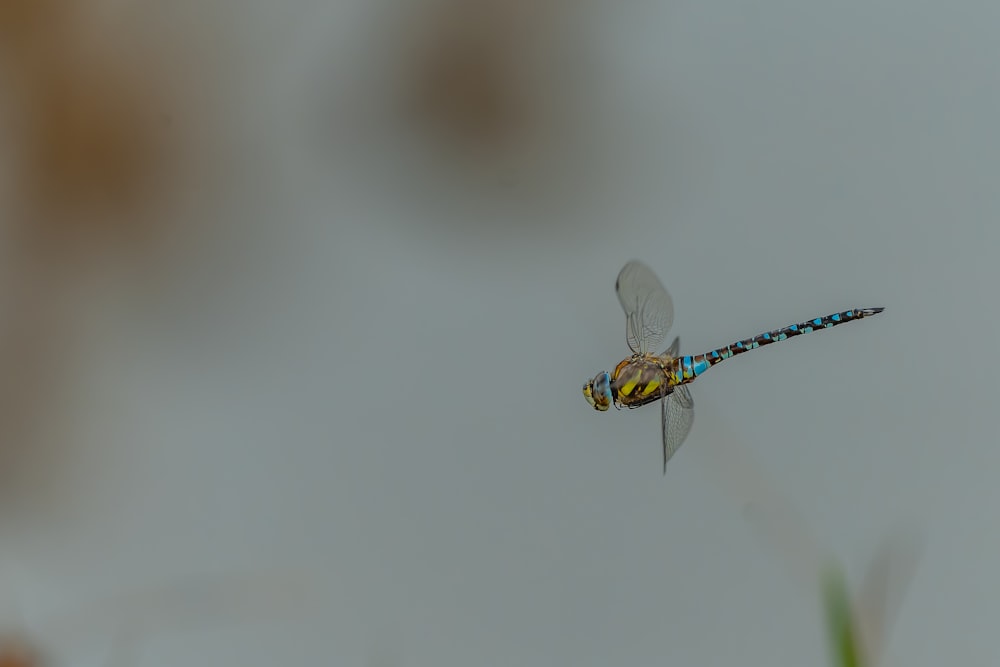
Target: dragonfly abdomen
{"type": "Point", "coordinates": [688, 368]}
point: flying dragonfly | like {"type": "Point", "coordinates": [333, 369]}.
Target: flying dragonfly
{"type": "Point", "coordinates": [647, 377]}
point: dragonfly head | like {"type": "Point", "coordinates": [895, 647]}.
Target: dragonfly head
{"type": "Point", "coordinates": [598, 391]}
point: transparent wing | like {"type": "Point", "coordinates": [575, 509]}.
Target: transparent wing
{"type": "Point", "coordinates": [649, 310]}
{"type": "Point", "coordinates": [674, 350]}
{"type": "Point", "coordinates": [677, 415]}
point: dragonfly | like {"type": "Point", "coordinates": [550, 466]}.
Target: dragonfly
{"type": "Point", "coordinates": [648, 377]}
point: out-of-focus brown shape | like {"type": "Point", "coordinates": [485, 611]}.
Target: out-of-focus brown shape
{"type": "Point", "coordinates": [466, 85]}
{"type": "Point", "coordinates": [26, 23]}
{"type": "Point", "coordinates": [14, 652]}
{"type": "Point", "coordinates": [83, 93]}
{"type": "Point", "coordinates": [88, 127]}
{"type": "Point", "coordinates": [474, 67]}
{"type": "Point", "coordinates": [90, 147]}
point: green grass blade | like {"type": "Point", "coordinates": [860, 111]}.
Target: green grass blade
{"type": "Point", "coordinates": [845, 648]}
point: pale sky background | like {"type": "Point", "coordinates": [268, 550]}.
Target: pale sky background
{"type": "Point", "coordinates": [370, 367]}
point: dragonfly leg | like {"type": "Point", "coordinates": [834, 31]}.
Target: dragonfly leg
{"type": "Point", "coordinates": [664, 396]}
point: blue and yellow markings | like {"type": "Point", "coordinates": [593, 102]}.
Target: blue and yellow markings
{"type": "Point", "coordinates": [689, 368]}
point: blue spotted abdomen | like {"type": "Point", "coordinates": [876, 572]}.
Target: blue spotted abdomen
{"type": "Point", "coordinates": [688, 368]}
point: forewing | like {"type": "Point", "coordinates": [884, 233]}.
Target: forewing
{"type": "Point", "coordinates": [676, 415]}
{"type": "Point", "coordinates": [649, 310]}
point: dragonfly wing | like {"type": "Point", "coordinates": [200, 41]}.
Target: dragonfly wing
{"type": "Point", "coordinates": [649, 310]}
{"type": "Point", "coordinates": [677, 415]}
{"type": "Point", "coordinates": [674, 349]}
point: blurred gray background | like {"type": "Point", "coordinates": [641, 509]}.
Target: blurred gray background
{"type": "Point", "coordinates": [313, 287]}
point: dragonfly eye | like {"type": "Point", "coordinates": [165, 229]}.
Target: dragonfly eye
{"type": "Point", "coordinates": [598, 391]}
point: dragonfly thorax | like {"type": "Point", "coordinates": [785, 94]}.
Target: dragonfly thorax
{"type": "Point", "coordinates": [641, 379]}
{"type": "Point", "coordinates": [598, 391]}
